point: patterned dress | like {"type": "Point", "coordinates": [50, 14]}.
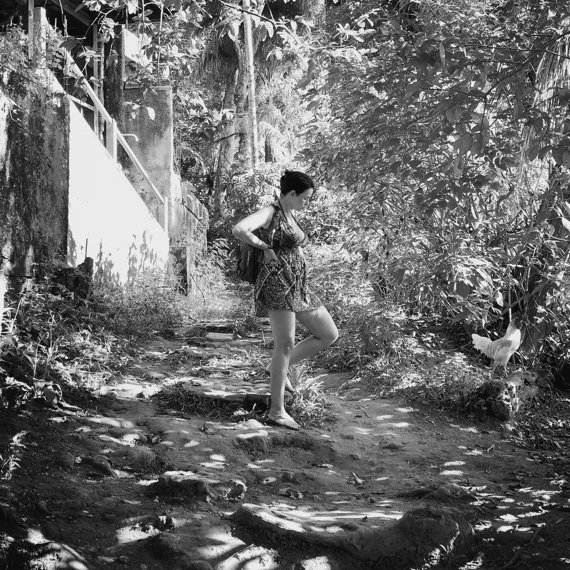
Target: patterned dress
{"type": "Point", "coordinates": [283, 286]}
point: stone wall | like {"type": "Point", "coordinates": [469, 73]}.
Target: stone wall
{"type": "Point", "coordinates": [62, 197]}
{"type": "Point", "coordinates": [34, 175]}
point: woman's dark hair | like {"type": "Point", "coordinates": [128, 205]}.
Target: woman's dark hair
{"type": "Point", "coordinates": [295, 181]}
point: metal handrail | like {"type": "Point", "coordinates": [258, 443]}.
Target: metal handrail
{"type": "Point", "coordinates": [111, 125]}
{"type": "Point", "coordinates": [113, 134]}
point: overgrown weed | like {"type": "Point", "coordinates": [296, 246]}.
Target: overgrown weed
{"type": "Point", "coordinates": [148, 306]}
{"type": "Point", "coordinates": [212, 295]}
{"type": "Point", "coordinates": [52, 339]}
{"type": "Point", "coordinates": [10, 459]}
{"type": "Point", "coordinates": [370, 328]}
{"type": "Point", "coordinates": [309, 405]}
{"type": "Point", "coordinates": [14, 49]}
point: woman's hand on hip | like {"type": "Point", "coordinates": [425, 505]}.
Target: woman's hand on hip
{"type": "Point", "coordinates": [269, 255]}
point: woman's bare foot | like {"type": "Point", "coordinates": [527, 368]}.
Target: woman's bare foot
{"type": "Point", "coordinates": [282, 420]}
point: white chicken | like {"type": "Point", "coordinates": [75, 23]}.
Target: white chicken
{"type": "Point", "coordinates": [500, 350]}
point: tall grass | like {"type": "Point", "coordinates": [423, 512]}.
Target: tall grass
{"type": "Point", "coordinates": [148, 306]}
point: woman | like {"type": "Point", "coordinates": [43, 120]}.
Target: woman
{"type": "Point", "coordinates": [281, 289]}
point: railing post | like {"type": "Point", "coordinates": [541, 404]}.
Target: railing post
{"type": "Point", "coordinates": [96, 125]}
{"type": "Point", "coordinates": [39, 37]}
{"type": "Point", "coordinates": [3, 288]}
{"type": "Point", "coordinates": [111, 138]}
{"type": "Point", "coordinates": [166, 214]}
{"type": "Point", "coordinates": [30, 29]}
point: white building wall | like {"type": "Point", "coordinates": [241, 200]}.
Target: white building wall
{"type": "Point", "coordinates": [108, 220]}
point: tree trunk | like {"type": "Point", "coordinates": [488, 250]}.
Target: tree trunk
{"type": "Point", "coordinates": [228, 144]}
{"type": "Point", "coordinates": [269, 154]}
{"type": "Point", "coordinates": [541, 282]}
{"type": "Point", "coordinates": [250, 75]}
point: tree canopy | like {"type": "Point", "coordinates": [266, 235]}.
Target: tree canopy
{"type": "Point", "coordinates": [438, 129]}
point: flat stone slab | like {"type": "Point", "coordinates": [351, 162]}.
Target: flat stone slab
{"type": "Point", "coordinates": [398, 540]}
{"type": "Point", "coordinates": [227, 389]}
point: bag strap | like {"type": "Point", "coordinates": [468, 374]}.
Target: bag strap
{"type": "Point", "coordinates": [296, 221]}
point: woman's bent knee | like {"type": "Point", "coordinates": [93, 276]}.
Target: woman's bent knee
{"type": "Point", "coordinates": [284, 347]}
{"type": "Point", "coordinates": [329, 338]}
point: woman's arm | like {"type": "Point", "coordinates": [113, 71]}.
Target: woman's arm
{"type": "Point", "coordinates": [244, 229]}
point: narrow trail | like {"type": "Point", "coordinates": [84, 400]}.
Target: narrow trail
{"type": "Point", "coordinates": [151, 473]}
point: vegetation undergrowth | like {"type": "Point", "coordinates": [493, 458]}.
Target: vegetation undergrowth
{"type": "Point", "coordinates": [51, 340]}
{"type": "Point", "coordinates": [147, 306]}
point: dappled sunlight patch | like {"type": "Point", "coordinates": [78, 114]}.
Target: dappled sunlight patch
{"type": "Point", "coordinates": [134, 533]}
{"type": "Point", "coordinates": [218, 462]}
{"type": "Point", "coordinates": [252, 435]}
{"type": "Point", "coordinates": [398, 424]}
{"type": "Point", "coordinates": [452, 473]}
{"type": "Point", "coordinates": [405, 410]}
{"type": "Point", "coordinates": [226, 543]}
{"type": "Point", "coordinates": [214, 465]}
{"type": "Point", "coordinates": [453, 463]}
{"type": "Point", "coordinates": [116, 440]}
{"type": "Point", "coordinates": [383, 418]}
{"type": "Point", "coordinates": [257, 467]}
{"type": "Point", "coordinates": [146, 482]}
{"type": "Point", "coordinates": [506, 500]}
{"type": "Point", "coordinates": [113, 422]}
{"type": "Point", "coordinates": [35, 536]}
{"type": "Point", "coordinates": [192, 443]}
{"type": "Point", "coordinates": [508, 518]}
{"type": "Point", "coordinates": [344, 515]}
{"type": "Point", "coordinates": [363, 431]}
{"type": "Point", "coordinates": [470, 429]}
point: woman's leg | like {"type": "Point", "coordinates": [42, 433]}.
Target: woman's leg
{"type": "Point", "coordinates": [323, 334]}
{"type": "Point", "coordinates": [283, 329]}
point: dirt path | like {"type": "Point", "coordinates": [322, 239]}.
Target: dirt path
{"type": "Point", "coordinates": [134, 477]}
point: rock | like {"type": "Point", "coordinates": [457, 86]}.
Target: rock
{"type": "Point", "coordinates": [250, 424]}
{"type": "Point", "coordinates": [78, 280]}
{"type": "Point", "coordinates": [253, 442]}
{"type": "Point", "coordinates": [421, 536]}
{"type": "Point", "coordinates": [141, 458]}
{"type": "Point", "coordinates": [187, 486]}
{"type": "Point", "coordinates": [165, 546]}
{"type": "Point", "coordinates": [52, 531]}
{"type": "Point", "coordinates": [288, 477]}
{"type": "Point", "coordinates": [227, 490]}
{"type": "Point", "coordinates": [65, 461]}
{"type": "Point", "coordinates": [100, 463]}
{"type": "Point", "coordinates": [495, 398]}
{"type": "Point", "coordinates": [237, 491]}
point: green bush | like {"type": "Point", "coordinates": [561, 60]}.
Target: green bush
{"type": "Point", "coordinates": [369, 326]}
{"type": "Point", "coordinates": [149, 305]}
